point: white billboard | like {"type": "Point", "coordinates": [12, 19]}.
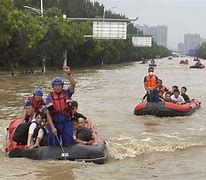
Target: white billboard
{"type": "Point", "coordinates": [109, 30]}
{"type": "Point", "coordinates": [142, 41]}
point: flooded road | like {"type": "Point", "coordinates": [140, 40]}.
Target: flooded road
{"type": "Point", "coordinates": [140, 147]}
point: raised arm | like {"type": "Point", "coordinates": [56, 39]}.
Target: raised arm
{"type": "Point", "coordinates": [71, 78]}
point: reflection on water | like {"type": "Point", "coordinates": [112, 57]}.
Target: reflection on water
{"type": "Point", "coordinates": [107, 96]}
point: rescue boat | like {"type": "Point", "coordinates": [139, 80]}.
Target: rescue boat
{"type": "Point", "coordinates": [166, 109]}
{"type": "Point", "coordinates": [97, 153]}
{"type": "Point", "coordinates": [198, 66]}
{"type": "Point", "coordinates": [184, 62]}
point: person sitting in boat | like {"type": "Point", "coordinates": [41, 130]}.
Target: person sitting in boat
{"type": "Point", "coordinates": [150, 84]}
{"type": "Point", "coordinates": [82, 134]}
{"type": "Point", "coordinates": [174, 87]}
{"type": "Point", "coordinates": [152, 61]}
{"type": "Point", "coordinates": [161, 98]}
{"type": "Point", "coordinates": [30, 111]}
{"type": "Point", "coordinates": [161, 87]}
{"type": "Point", "coordinates": [77, 115]}
{"type": "Point", "coordinates": [38, 102]}
{"type": "Point", "coordinates": [59, 111]}
{"type": "Point", "coordinates": [184, 95]}
{"type": "Point", "coordinates": [198, 63]}
{"type": "Point", "coordinates": [177, 98]}
{"type": "Point", "coordinates": [167, 97]}
{"type": "Point", "coordinates": [144, 61]}
{"type": "Point", "coordinates": [37, 131]}
{"type": "Point", "coordinates": [21, 132]}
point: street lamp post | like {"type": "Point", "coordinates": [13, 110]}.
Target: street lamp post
{"type": "Point", "coordinates": [40, 11]}
{"type": "Point", "coordinates": [105, 12]}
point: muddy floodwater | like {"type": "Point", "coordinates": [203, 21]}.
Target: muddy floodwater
{"type": "Point", "coordinates": [140, 147]}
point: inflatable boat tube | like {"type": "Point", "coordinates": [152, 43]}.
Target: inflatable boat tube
{"type": "Point", "coordinates": [97, 153]}
{"type": "Point", "coordinates": [166, 109]}
{"type": "Point", "coordinates": [152, 65]}
{"type": "Point", "coordinates": [198, 67]}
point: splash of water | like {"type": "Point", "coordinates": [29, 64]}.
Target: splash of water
{"type": "Point", "coordinates": [130, 147]}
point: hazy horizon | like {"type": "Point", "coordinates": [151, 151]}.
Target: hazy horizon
{"type": "Point", "coordinates": [181, 17]}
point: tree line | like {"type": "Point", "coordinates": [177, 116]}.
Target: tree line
{"type": "Point", "coordinates": [27, 38]}
{"type": "Point", "coordinates": [201, 51]}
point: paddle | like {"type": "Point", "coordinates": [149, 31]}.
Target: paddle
{"type": "Point", "coordinates": [63, 152]}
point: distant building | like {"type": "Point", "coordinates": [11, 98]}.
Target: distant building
{"type": "Point", "coordinates": [162, 35]}
{"type": "Point", "coordinates": [158, 33]}
{"type": "Point", "coordinates": [181, 48]}
{"type": "Point", "coordinates": [192, 41]}
{"type": "Point", "coordinates": [145, 29]}
{"type": "Point", "coordinates": [203, 40]}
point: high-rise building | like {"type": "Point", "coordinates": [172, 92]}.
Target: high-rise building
{"type": "Point", "coordinates": [181, 48]}
{"type": "Point", "coordinates": [192, 41]}
{"type": "Point", "coordinates": [158, 33]}
{"type": "Point", "coordinates": [162, 35]}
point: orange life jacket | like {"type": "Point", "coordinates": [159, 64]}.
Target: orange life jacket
{"type": "Point", "coordinates": [60, 103]}
{"type": "Point", "coordinates": [151, 82]}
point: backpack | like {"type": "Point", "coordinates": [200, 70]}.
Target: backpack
{"type": "Point", "coordinates": [21, 133]}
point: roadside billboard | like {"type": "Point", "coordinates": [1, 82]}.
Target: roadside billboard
{"type": "Point", "coordinates": [142, 41]}
{"type": "Point", "coordinates": [109, 30]}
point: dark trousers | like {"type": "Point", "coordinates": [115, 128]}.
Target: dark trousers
{"type": "Point", "coordinates": [64, 131]}
{"type": "Point", "coordinates": [152, 96]}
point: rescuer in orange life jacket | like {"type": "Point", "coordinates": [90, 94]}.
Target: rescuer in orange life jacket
{"type": "Point", "coordinates": [151, 84]}
{"type": "Point", "coordinates": [59, 111]}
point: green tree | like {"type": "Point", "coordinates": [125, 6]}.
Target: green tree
{"type": "Point", "coordinates": [201, 52]}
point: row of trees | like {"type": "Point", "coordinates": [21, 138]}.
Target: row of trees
{"type": "Point", "coordinates": [201, 52]}
{"type": "Point", "coordinates": [27, 38]}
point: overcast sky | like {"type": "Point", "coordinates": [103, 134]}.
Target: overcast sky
{"type": "Point", "coordinates": [180, 16]}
